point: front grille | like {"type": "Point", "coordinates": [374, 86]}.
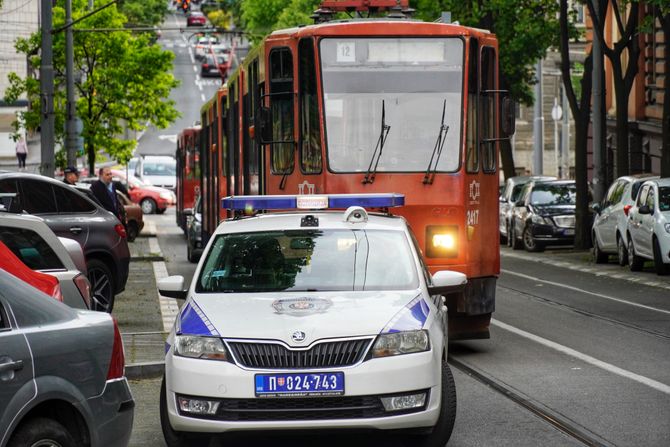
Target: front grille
{"type": "Point", "coordinates": [322, 355]}
{"type": "Point", "coordinates": [564, 221]}
{"type": "Point", "coordinates": [305, 409]}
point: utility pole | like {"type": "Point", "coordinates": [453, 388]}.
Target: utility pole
{"type": "Point", "coordinates": [598, 112]}
{"type": "Point", "coordinates": [538, 123]}
{"type": "Point", "coordinates": [71, 137]}
{"type": "Point", "coordinates": [47, 93]}
{"type": "Point", "coordinates": [565, 138]}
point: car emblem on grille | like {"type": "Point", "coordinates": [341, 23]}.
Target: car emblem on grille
{"type": "Point", "coordinates": [298, 336]}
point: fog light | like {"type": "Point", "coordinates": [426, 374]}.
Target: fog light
{"type": "Point", "coordinates": [406, 402]}
{"type": "Point", "coordinates": [198, 406]}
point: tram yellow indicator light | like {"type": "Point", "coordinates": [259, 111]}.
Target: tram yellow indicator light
{"type": "Point", "coordinates": [442, 241]}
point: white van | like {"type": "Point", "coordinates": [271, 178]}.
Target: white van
{"type": "Point", "coordinates": [157, 170]}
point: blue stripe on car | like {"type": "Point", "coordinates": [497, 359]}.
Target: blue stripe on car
{"type": "Point", "coordinates": [194, 321]}
{"type": "Point", "coordinates": [411, 317]}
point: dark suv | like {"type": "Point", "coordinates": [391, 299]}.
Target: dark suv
{"type": "Point", "coordinates": [71, 214]}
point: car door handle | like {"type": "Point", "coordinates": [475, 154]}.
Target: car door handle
{"type": "Point", "coordinates": [75, 230]}
{"type": "Point", "coordinates": [11, 366]}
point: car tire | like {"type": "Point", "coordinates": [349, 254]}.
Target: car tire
{"type": "Point", "coordinates": [598, 255]}
{"type": "Point", "coordinates": [148, 206]}
{"type": "Point", "coordinates": [161, 211]}
{"type": "Point", "coordinates": [635, 262]}
{"type": "Point", "coordinates": [132, 231]}
{"type": "Point", "coordinates": [102, 286]}
{"type": "Point", "coordinates": [441, 432]}
{"type": "Point", "coordinates": [41, 431]}
{"type": "Point", "coordinates": [622, 252]}
{"type": "Point", "coordinates": [659, 266]}
{"type": "Point", "coordinates": [529, 243]}
{"type": "Point", "coordinates": [176, 438]}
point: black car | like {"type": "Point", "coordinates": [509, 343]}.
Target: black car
{"type": "Point", "coordinates": [71, 214]}
{"type": "Point", "coordinates": [544, 215]}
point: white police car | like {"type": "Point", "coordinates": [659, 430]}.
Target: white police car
{"type": "Point", "coordinates": [310, 320]}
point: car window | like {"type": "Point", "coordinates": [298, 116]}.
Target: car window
{"type": "Point", "coordinates": [30, 248]}
{"type": "Point", "coordinates": [650, 198]}
{"type": "Point", "coordinates": [159, 169]}
{"type": "Point", "coordinates": [11, 204]}
{"type": "Point", "coordinates": [664, 198]}
{"type": "Point", "coordinates": [635, 188]}
{"type": "Point", "coordinates": [642, 197]}
{"type": "Point", "coordinates": [615, 193]}
{"type": "Point", "coordinates": [548, 194]}
{"type": "Point", "coordinates": [516, 192]}
{"type": "Point", "coordinates": [71, 202]}
{"type": "Point", "coordinates": [38, 197]}
{"type": "Point", "coordinates": [4, 322]}
{"type": "Point", "coordinates": [308, 260]}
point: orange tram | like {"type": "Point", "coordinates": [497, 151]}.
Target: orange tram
{"type": "Point", "coordinates": [365, 105]}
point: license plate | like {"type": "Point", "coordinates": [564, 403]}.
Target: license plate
{"type": "Point", "coordinates": [295, 385]}
{"type": "Point", "coordinates": [569, 232]}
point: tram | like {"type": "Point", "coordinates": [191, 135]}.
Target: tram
{"type": "Point", "coordinates": [389, 104]}
{"type": "Point", "coordinates": [188, 171]}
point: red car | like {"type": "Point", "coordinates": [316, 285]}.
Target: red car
{"type": "Point", "coordinates": [152, 199]}
{"type": "Point", "coordinates": [196, 18]}
{"type": "Point", "coordinates": [41, 281]}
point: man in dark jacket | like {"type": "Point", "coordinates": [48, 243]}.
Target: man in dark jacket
{"type": "Point", "coordinates": [70, 175]}
{"type": "Point", "coordinates": [105, 192]}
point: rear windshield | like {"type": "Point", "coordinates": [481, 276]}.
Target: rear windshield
{"type": "Point", "coordinates": [309, 260]}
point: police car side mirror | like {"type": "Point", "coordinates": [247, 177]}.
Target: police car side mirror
{"type": "Point", "coordinates": [446, 282]}
{"type": "Point", "coordinates": [172, 287]}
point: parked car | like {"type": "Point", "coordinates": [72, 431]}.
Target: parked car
{"type": "Point", "coordinates": [214, 68]}
{"type": "Point", "coordinates": [62, 373]}
{"type": "Point", "coordinates": [194, 244]}
{"type": "Point", "coordinates": [610, 222]}
{"type": "Point", "coordinates": [31, 243]}
{"type": "Point", "coordinates": [134, 216]}
{"type": "Point", "coordinates": [157, 170]}
{"type": "Point", "coordinates": [649, 227]}
{"type": "Point", "coordinates": [46, 284]}
{"type": "Point", "coordinates": [152, 199]}
{"type": "Point", "coordinates": [196, 18]}
{"type": "Point", "coordinates": [544, 215]}
{"type": "Point", "coordinates": [203, 45]}
{"type": "Point", "coordinates": [339, 299]}
{"type": "Point", "coordinates": [510, 194]}
{"type": "Point", "coordinates": [69, 213]}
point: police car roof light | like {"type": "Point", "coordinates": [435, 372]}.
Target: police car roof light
{"type": "Point", "coordinates": [316, 201]}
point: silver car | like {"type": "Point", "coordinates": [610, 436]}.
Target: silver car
{"type": "Point", "coordinates": [511, 192]}
{"type": "Point", "coordinates": [62, 380]}
{"type": "Point", "coordinates": [31, 240]}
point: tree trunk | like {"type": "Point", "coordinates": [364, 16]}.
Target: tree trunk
{"type": "Point", "coordinates": [582, 214]}
{"type": "Point", "coordinates": [622, 146]}
{"type": "Point", "coordinates": [506, 159]}
{"type": "Point", "coordinates": [665, 126]}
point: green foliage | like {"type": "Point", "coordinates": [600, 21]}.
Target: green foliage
{"type": "Point", "coordinates": [220, 18]}
{"type": "Point", "coordinates": [123, 82]}
{"type": "Point", "coordinates": [297, 12]}
{"type": "Point", "coordinates": [143, 12]}
{"type": "Point", "coordinates": [260, 16]}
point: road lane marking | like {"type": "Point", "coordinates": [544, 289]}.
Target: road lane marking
{"type": "Point", "coordinates": [202, 96]}
{"type": "Point", "coordinates": [585, 358]}
{"type": "Point", "coordinates": [577, 289]}
{"type": "Point", "coordinates": [190, 53]}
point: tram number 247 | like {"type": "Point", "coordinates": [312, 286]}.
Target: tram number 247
{"type": "Point", "coordinates": [472, 217]}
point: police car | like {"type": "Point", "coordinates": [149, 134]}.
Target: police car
{"type": "Point", "coordinates": [310, 319]}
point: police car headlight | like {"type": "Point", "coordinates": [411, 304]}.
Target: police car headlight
{"type": "Point", "coordinates": [398, 343]}
{"type": "Point", "coordinates": [196, 347]}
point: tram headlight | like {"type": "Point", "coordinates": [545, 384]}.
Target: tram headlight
{"type": "Point", "coordinates": [442, 241]}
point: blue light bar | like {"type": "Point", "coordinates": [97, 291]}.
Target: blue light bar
{"type": "Point", "coordinates": [316, 201]}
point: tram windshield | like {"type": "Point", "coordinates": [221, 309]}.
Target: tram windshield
{"type": "Point", "coordinates": [407, 80]}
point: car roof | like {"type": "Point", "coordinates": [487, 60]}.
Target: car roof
{"type": "Point", "coordinates": [332, 220]}
{"type": "Point", "coordinates": [665, 181]}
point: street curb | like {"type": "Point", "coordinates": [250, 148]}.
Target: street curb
{"type": "Point", "coordinates": [147, 370]}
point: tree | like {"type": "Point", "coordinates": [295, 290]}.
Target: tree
{"type": "Point", "coordinates": [143, 12]}
{"type": "Point", "coordinates": [629, 42]}
{"type": "Point", "coordinates": [124, 82]}
{"type": "Point", "coordinates": [525, 30]}
{"type": "Point", "coordinates": [260, 16]}
{"type": "Point", "coordinates": [662, 12]}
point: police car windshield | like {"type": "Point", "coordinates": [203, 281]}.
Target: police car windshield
{"type": "Point", "coordinates": [308, 260]}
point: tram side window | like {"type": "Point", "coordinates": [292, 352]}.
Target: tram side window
{"type": "Point", "coordinates": [281, 105]}
{"type": "Point", "coordinates": [310, 137]}
{"type": "Point", "coordinates": [487, 109]}
{"type": "Point", "coordinates": [472, 153]}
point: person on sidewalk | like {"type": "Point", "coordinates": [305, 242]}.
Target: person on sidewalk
{"type": "Point", "coordinates": [71, 175]}
{"type": "Point", "coordinates": [21, 152]}
{"type": "Point", "coordinates": [104, 190]}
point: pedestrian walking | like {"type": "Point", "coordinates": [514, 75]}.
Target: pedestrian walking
{"type": "Point", "coordinates": [21, 152]}
{"type": "Point", "coordinates": [70, 175]}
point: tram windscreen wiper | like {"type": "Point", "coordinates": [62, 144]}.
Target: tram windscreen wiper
{"type": "Point", "coordinates": [437, 150]}
{"type": "Point", "coordinates": [370, 173]}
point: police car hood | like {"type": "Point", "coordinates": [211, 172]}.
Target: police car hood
{"type": "Point", "coordinates": [317, 315]}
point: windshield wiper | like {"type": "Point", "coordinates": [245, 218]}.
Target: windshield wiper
{"type": "Point", "coordinates": [437, 150]}
{"type": "Point", "coordinates": [370, 174]}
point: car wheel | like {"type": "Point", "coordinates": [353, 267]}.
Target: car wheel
{"type": "Point", "coordinates": [441, 432]}
{"type": "Point", "coordinates": [102, 286]}
{"type": "Point", "coordinates": [621, 251]}
{"type": "Point", "coordinates": [175, 438]}
{"type": "Point", "coordinates": [661, 268]}
{"type": "Point", "coordinates": [598, 255]}
{"type": "Point", "coordinates": [132, 231]}
{"type": "Point", "coordinates": [161, 211]}
{"type": "Point", "coordinates": [41, 431]}
{"type": "Point", "coordinates": [148, 206]}
{"type": "Point", "coordinates": [529, 243]}
{"type": "Point", "coordinates": [635, 262]}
